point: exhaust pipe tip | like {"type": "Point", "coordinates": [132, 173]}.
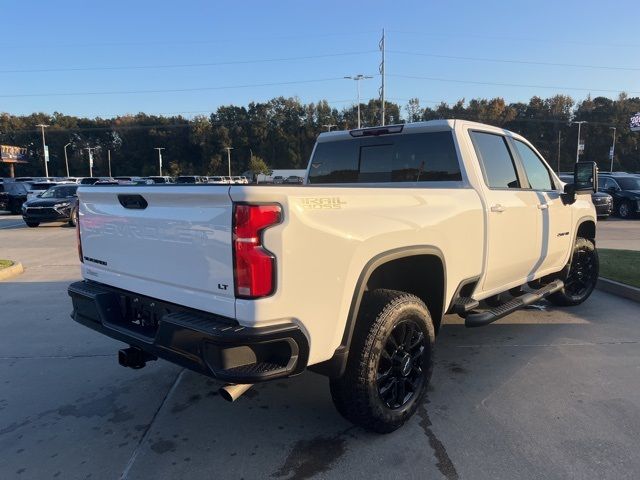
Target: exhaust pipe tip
{"type": "Point", "coordinates": [232, 392]}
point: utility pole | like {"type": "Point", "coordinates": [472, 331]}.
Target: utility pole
{"type": "Point", "coordinates": [559, 140]}
{"type": "Point", "coordinates": [229, 158]}
{"type": "Point", "coordinates": [66, 160]}
{"type": "Point", "coordinates": [328, 126]}
{"type": "Point", "coordinates": [381, 69]}
{"type": "Point", "coordinates": [357, 78]}
{"type": "Point", "coordinates": [90, 150]}
{"type": "Point", "coordinates": [109, 160]}
{"type": "Point", "coordinates": [613, 147]}
{"type": "Point", "coordinates": [578, 147]}
{"type": "Point", "coordinates": [45, 150]}
{"type": "Point", "coordinates": [159, 158]}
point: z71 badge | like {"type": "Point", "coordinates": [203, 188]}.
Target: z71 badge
{"type": "Point", "coordinates": [322, 203]}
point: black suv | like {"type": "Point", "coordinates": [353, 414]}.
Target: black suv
{"type": "Point", "coordinates": [58, 204]}
{"type": "Point", "coordinates": [625, 190]}
{"type": "Point", "coordinates": [13, 195]}
{"type": "Point", "coordinates": [602, 201]}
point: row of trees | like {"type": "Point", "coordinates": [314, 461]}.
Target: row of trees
{"type": "Point", "coordinates": [282, 131]}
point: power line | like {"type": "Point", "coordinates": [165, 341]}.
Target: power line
{"type": "Point", "coordinates": [186, 65]}
{"type": "Point", "coordinates": [553, 41]}
{"type": "Point", "coordinates": [474, 82]}
{"type": "Point", "coordinates": [169, 90]}
{"type": "Point", "coordinates": [523, 62]}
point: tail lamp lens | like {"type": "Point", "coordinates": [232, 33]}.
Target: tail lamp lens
{"type": "Point", "coordinates": [254, 265]}
{"type": "Point", "coordinates": [78, 233]}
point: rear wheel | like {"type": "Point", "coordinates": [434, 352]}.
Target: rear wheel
{"type": "Point", "coordinates": [582, 277]}
{"type": "Point", "coordinates": [390, 362]}
{"type": "Point", "coordinates": [32, 224]}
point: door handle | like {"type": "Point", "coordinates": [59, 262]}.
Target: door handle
{"type": "Point", "coordinates": [497, 208]}
{"type": "Point", "coordinates": [543, 206]}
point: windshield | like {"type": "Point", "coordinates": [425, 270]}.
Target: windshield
{"type": "Point", "coordinates": [60, 192]}
{"type": "Point", "coordinates": [42, 186]}
{"type": "Point", "coordinates": [17, 188]}
{"type": "Point", "coordinates": [629, 183]}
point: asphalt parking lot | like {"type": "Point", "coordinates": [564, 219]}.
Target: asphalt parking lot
{"type": "Point", "coordinates": [545, 393]}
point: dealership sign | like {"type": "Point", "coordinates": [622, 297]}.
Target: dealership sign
{"type": "Point", "coordinates": [634, 123]}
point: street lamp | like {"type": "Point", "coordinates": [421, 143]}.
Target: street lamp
{"type": "Point", "coordinates": [578, 147]}
{"type": "Point", "coordinates": [66, 160]}
{"type": "Point", "coordinates": [45, 152]}
{"type": "Point", "coordinates": [229, 158]}
{"type": "Point", "coordinates": [613, 146]}
{"type": "Point", "coordinates": [90, 150]}
{"type": "Point", "coordinates": [357, 78]}
{"type": "Point", "coordinates": [159, 158]}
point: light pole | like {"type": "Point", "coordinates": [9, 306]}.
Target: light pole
{"type": "Point", "coordinates": [159, 158]}
{"type": "Point", "coordinates": [66, 160]}
{"type": "Point", "coordinates": [613, 146]}
{"type": "Point", "coordinates": [90, 150]}
{"type": "Point", "coordinates": [109, 160]}
{"type": "Point", "coordinates": [559, 140]}
{"type": "Point", "coordinates": [357, 78]}
{"type": "Point", "coordinates": [45, 152]}
{"type": "Point", "coordinates": [329, 125]}
{"type": "Point", "coordinates": [229, 158]}
{"type": "Point", "coordinates": [578, 147]}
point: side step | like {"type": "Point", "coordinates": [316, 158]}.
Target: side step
{"type": "Point", "coordinates": [481, 319]}
{"type": "Point", "coordinates": [463, 305]}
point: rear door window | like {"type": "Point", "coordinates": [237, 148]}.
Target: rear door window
{"type": "Point", "coordinates": [418, 157]}
{"type": "Point", "coordinates": [495, 158]}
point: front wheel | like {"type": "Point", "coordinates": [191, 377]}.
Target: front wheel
{"type": "Point", "coordinates": [32, 224]}
{"type": "Point", "coordinates": [73, 219]}
{"type": "Point", "coordinates": [582, 277]}
{"type": "Point", "coordinates": [624, 210]}
{"type": "Point", "coordinates": [389, 364]}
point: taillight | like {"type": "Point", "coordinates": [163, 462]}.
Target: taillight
{"type": "Point", "coordinates": [254, 265]}
{"type": "Point", "coordinates": [78, 233]}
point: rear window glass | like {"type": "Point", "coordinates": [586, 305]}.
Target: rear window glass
{"type": "Point", "coordinates": [418, 157]}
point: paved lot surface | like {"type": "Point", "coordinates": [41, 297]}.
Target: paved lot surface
{"type": "Point", "coordinates": [620, 234]}
{"type": "Point", "coordinates": [541, 394]}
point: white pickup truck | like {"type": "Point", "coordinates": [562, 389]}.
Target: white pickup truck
{"type": "Point", "coordinates": [349, 274]}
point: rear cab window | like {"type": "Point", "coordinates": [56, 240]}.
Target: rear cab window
{"type": "Point", "coordinates": [414, 157]}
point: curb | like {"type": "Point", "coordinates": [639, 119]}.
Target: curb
{"type": "Point", "coordinates": [620, 289]}
{"type": "Point", "coordinates": [11, 271]}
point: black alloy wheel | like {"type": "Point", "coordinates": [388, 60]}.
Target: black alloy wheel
{"type": "Point", "coordinates": [399, 373]}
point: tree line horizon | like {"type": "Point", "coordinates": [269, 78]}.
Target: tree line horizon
{"type": "Point", "coordinates": [281, 132]}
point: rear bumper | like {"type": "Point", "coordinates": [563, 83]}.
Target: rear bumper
{"type": "Point", "coordinates": [203, 342]}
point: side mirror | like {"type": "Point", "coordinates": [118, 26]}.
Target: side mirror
{"type": "Point", "coordinates": [39, 195]}
{"type": "Point", "coordinates": [585, 177]}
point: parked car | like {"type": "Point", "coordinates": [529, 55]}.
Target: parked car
{"type": "Point", "coordinates": [218, 179]}
{"type": "Point", "coordinates": [4, 198]}
{"type": "Point", "coordinates": [57, 204]}
{"type": "Point", "coordinates": [602, 201]}
{"type": "Point", "coordinates": [16, 195]}
{"type": "Point", "coordinates": [191, 179]}
{"type": "Point", "coordinates": [625, 190]}
{"type": "Point", "coordinates": [159, 179]}
{"type": "Point", "coordinates": [294, 179]}
{"type": "Point", "coordinates": [240, 180]}
{"type": "Point", "coordinates": [278, 179]}
{"type": "Point", "coordinates": [38, 188]}
{"type": "Point", "coordinates": [475, 212]}
{"type": "Point", "coordinates": [92, 180]}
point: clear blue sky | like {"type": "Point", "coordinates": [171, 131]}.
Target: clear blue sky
{"type": "Point", "coordinates": [138, 33]}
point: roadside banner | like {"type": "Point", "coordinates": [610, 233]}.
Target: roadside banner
{"type": "Point", "coordinates": [634, 123]}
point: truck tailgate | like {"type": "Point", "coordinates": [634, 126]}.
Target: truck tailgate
{"type": "Point", "coordinates": [167, 241]}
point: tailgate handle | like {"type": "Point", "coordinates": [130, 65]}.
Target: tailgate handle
{"type": "Point", "coordinates": [134, 202]}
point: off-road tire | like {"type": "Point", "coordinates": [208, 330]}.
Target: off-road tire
{"type": "Point", "coordinates": [583, 251]}
{"type": "Point", "coordinates": [356, 394]}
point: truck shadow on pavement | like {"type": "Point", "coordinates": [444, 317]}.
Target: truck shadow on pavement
{"type": "Point", "coordinates": [67, 408]}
